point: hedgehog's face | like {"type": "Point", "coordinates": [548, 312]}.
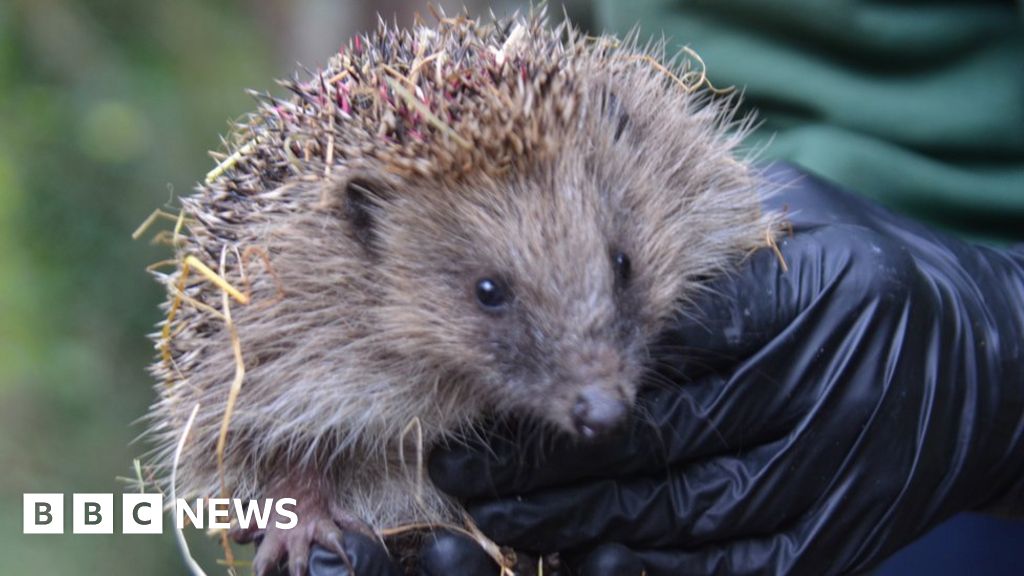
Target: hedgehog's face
{"type": "Point", "coordinates": [541, 286]}
{"type": "Point", "coordinates": [535, 293]}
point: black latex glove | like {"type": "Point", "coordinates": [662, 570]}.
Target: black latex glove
{"type": "Point", "coordinates": [443, 554]}
{"type": "Point", "coordinates": [809, 421]}
{"type": "Point", "coordinates": [366, 557]}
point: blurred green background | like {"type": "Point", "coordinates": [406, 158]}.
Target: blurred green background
{"type": "Point", "coordinates": [107, 109]}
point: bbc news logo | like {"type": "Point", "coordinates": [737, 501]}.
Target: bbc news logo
{"type": "Point", "coordinates": [143, 513]}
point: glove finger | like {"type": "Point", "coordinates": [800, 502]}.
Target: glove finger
{"type": "Point", "coordinates": [809, 545]}
{"type": "Point", "coordinates": [448, 553]}
{"type": "Point", "coordinates": [737, 314]}
{"type": "Point", "coordinates": [365, 556]}
{"type": "Point", "coordinates": [611, 559]}
{"type": "Point", "coordinates": [771, 555]}
{"type": "Point", "coordinates": [704, 503]}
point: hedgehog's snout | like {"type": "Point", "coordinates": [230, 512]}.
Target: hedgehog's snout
{"type": "Point", "coordinates": [602, 402]}
{"type": "Point", "coordinates": [596, 413]}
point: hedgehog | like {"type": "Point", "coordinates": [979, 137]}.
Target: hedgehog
{"type": "Point", "coordinates": [447, 223]}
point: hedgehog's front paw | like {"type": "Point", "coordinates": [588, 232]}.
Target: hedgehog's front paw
{"type": "Point", "coordinates": [280, 549]}
{"type": "Point", "coordinates": [293, 545]}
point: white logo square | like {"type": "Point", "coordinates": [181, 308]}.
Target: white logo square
{"type": "Point", "coordinates": [142, 514]}
{"type": "Point", "coordinates": [43, 513]}
{"type": "Point", "coordinates": [93, 514]}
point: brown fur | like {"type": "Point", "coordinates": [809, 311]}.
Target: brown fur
{"type": "Point", "coordinates": [544, 153]}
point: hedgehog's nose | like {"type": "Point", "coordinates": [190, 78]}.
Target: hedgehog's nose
{"type": "Point", "coordinates": [596, 413]}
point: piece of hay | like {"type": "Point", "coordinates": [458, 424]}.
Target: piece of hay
{"type": "Point", "coordinates": [179, 534]}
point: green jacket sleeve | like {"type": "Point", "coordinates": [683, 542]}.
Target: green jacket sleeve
{"type": "Point", "coordinates": [919, 105]}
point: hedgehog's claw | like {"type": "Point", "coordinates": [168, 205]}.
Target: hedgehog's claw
{"type": "Point", "coordinates": [268, 557]}
{"type": "Point", "coordinates": [245, 535]}
{"type": "Point", "coordinates": [276, 546]}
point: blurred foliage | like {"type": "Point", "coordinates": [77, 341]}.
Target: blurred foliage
{"type": "Point", "coordinates": [105, 108]}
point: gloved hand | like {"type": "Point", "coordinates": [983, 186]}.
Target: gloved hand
{"type": "Point", "coordinates": [809, 421]}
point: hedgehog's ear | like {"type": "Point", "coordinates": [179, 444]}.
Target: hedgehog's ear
{"type": "Point", "coordinates": [360, 203]}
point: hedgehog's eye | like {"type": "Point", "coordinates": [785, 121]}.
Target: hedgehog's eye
{"type": "Point", "coordinates": [623, 267]}
{"type": "Point", "coordinates": [492, 294]}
